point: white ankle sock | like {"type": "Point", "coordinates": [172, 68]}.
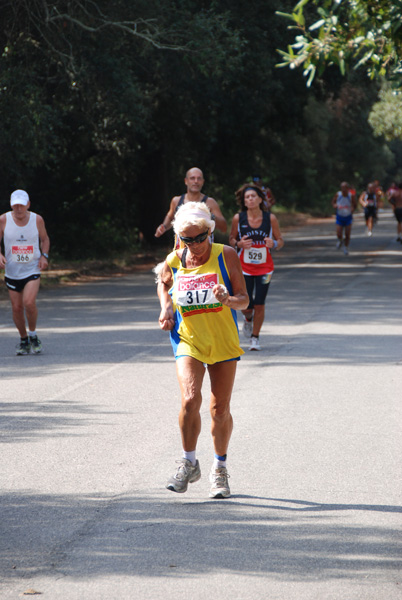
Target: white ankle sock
{"type": "Point", "coordinates": [190, 456]}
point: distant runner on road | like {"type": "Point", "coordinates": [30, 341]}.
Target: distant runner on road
{"type": "Point", "coordinates": [345, 204]}
{"type": "Point", "coordinates": [368, 200]}
{"type": "Point", "coordinates": [26, 245]}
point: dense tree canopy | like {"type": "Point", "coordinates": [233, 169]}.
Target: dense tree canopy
{"type": "Point", "coordinates": [105, 105]}
{"type": "Point", "coordinates": [352, 34]}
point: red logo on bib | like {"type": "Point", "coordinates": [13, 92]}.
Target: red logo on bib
{"type": "Point", "coordinates": [197, 282]}
{"type": "Point", "coordinates": [22, 249]}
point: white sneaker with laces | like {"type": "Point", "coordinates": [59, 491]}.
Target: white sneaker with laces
{"type": "Point", "coordinates": [185, 473]}
{"type": "Point", "coordinates": [247, 328]}
{"type": "Point", "coordinates": [345, 251]}
{"type": "Point", "coordinates": [220, 484]}
{"type": "Point", "coordinates": [339, 244]}
{"type": "Point", "coordinates": [254, 344]}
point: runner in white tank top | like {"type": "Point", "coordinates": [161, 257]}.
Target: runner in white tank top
{"type": "Point", "coordinates": [21, 245]}
{"type": "Point", "coordinates": [26, 247]}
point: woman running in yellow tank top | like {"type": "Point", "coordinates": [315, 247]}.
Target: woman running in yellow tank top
{"type": "Point", "coordinates": [200, 287]}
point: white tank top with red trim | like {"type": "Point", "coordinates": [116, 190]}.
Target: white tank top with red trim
{"type": "Point", "coordinates": [21, 245]}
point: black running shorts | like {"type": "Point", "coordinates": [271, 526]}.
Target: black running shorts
{"type": "Point", "coordinates": [17, 285]}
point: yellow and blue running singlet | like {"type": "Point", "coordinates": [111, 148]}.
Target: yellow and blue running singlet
{"type": "Point", "coordinates": [204, 328]}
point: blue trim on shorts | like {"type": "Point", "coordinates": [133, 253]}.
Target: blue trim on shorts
{"type": "Point", "coordinates": [228, 360]}
{"type": "Point", "coordinates": [217, 363]}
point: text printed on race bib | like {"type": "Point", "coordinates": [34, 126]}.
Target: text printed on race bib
{"type": "Point", "coordinates": [196, 290]}
{"type": "Point", "coordinates": [22, 254]}
{"type": "Point", "coordinates": [255, 256]}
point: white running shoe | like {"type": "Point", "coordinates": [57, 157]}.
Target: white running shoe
{"type": "Point", "coordinates": [339, 244]}
{"type": "Point", "coordinates": [220, 485]}
{"type": "Point", "coordinates": [345, 251]}
{"type": "Point", "coordinates": [247, 328]}
{"type": "Point", "coordinates": [185, 473]}
{"type": "Point", "coordinates": [254, 344]}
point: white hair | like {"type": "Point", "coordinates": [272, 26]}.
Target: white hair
{"type": "Point", "coordinates": [193, 213]}
{"type": "Point", "coordinates": [158, 271]}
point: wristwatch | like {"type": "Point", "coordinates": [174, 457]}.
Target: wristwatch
{"type": "Point", "coordinates": [45, 255]}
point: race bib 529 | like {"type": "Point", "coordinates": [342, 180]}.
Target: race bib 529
{"type": "Point", "coordinates": [255, 256]}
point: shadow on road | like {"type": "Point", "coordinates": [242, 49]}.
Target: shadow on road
{"type": "Point", "coordinates": [29, 421]}
{"type": "Point", "coordinates": [337, 350]}
{"type": "Point", "coordinates": [92, 537]}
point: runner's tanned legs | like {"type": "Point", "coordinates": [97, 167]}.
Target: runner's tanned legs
{"type": "Point", "coordinates": [24, 303]}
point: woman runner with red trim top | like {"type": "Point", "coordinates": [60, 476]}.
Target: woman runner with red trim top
{"type": "Point", "coordinates": [254, 234]}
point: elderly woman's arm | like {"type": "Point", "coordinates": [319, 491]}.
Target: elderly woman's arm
{"type": "Point", "coordinates": [239, 300]}
{"type": "Point", "coordinates": [166, 317]}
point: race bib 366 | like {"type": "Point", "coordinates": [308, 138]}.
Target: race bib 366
{"type": "Point", "coordinates": [22, 254]}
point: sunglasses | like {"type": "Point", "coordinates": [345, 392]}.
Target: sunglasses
{"type": "Point", "coordinates": [198, 239]}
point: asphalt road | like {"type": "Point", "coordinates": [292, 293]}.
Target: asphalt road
{"type": "Point", "coordinates": [89, 436]}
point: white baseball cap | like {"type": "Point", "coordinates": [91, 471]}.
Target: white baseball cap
{"type": "Point", "coordinates": [19, 197]}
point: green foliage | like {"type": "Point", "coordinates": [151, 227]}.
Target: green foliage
{"type": "Point", "coordinates": [386, 115]}
{"type": "Point", "coordinates": [104, 106]}
{"type": "Point", "coordinates": [351, 34]}
{"type": "Point", "coordinates": [346, 33]}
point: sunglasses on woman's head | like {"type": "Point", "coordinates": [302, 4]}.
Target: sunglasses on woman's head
{"type": "Point", "coordinates": [198, 239]}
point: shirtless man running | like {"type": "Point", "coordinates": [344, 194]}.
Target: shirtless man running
{"type": "Point", "coordinates": [194, 181]}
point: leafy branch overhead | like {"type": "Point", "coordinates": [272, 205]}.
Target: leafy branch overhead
{"type": "Point", "coordinates": [351, 34]}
